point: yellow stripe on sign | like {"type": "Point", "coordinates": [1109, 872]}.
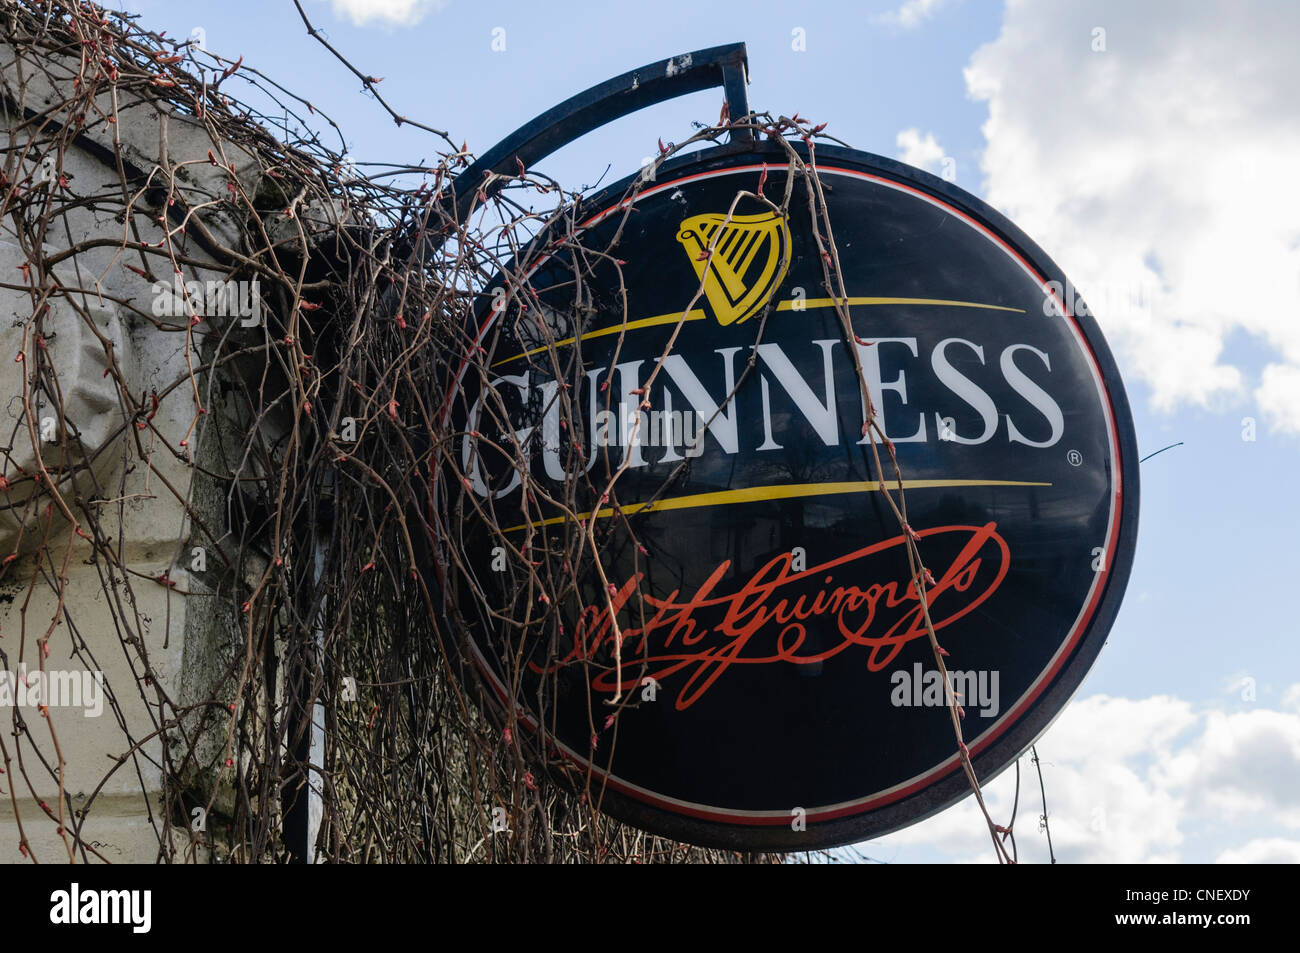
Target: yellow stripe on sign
{"type": "Point", "coordinates": [696, 314]}
{"type": "Point", "coordinates": [786, 304]}
{"type": "Point", "coordinates": [785, 491]}
{"type": "Point", "coordinates": [809, 303]}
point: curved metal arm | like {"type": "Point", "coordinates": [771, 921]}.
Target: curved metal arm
{"type": "Point", "coordinates": [723, 66]}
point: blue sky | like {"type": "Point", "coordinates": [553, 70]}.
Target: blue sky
{"type": "Point", "coordinates": [1152, 163]}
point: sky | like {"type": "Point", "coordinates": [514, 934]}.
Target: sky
{"type": "Point", "coordinates": [1150, 150]}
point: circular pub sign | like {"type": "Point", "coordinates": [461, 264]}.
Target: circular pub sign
{"type": "Point", "coordinates": [776, 686]}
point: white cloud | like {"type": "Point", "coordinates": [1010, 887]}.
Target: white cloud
{"type": "Point", "coordinates": [1291, 698]}
{"type": "Point", "coordinates": [1266, 850]}
{"type": "Point", "coordinates": [924, 152]}
{"type": "Point", "coordinates": [1278, 395]}
{"type": "Point", "coordinates": [911, 14]}
{"type": "Point", "coordinates": [1160, 174]}
{"type": "Point", "coordinates": [1242, 765]}
{"type": "Point", "coordinates": [1128, 781]}
{"type": "Point", "coordinates": [389, 12]}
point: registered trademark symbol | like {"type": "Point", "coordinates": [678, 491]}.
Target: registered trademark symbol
{"type": "Point", "coordinates": [1075, 458]}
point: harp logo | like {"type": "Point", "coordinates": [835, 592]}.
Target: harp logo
{"type": "Point", "coordinates": [749, 259]}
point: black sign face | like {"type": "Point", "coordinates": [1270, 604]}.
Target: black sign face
{"type": "Point", "coordinates": [778, 686]}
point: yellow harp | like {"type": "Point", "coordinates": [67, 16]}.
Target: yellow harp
{"type": "Point", "coordinates": [748, 262]}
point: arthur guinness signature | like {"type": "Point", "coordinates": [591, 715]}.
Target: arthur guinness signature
{"type": "Point", "coordinates": [765, 620]}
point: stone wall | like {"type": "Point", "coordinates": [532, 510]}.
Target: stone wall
{"type": "Point", "coordinates": [103, 348]}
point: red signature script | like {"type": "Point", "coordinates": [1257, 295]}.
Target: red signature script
{"type": "Point", "coordinates": [765, 621]}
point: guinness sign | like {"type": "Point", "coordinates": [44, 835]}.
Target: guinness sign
{"type": "Point", "coordinates": [756, 620]}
